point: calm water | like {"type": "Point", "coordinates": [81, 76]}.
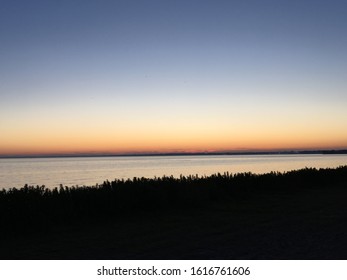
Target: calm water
{"type": "Point", "coordinates": [88, 171]}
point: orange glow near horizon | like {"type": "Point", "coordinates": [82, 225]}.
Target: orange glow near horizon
{"type": "Point", "coordinates": [191, 129]}
{"type": "Point", "coordinates": [199, 141]}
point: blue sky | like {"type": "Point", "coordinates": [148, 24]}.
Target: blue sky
{"type": "Point", "coordinates": [172, 75]}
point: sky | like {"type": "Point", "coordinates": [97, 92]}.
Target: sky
{"type": "Point", "coordinates": [85, 77]}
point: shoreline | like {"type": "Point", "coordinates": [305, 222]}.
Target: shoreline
{"type": "Point", "coordinates": [295, 215]}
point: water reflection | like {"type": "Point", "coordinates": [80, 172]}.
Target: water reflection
{"type": "Point", "coordinates": [91, 170]}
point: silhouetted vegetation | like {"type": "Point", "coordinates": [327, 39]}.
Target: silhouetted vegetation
{"type": "Point", "coordinates": [38, 206]}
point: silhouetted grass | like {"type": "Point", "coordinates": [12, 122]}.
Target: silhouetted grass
{"type": "Point", "coordinates": [38, 206]}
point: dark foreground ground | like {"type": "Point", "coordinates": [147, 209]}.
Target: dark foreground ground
{"type": "Point", "coordinates": [294, 221]}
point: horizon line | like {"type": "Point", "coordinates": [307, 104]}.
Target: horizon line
{"type": "Point", "coordinates": [283, 152]}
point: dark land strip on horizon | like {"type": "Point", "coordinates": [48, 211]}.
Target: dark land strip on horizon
{"type": "Point", "coordinates": [291, 152]}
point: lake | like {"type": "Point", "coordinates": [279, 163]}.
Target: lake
{"type": "Point", "coordinates": [69, 171]}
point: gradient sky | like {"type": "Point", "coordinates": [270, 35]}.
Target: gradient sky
{"type": "Point", "coordinates": [171, 76]}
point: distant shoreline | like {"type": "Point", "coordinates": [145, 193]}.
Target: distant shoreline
{"type": "Point", "coordinates": [306, 152]}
